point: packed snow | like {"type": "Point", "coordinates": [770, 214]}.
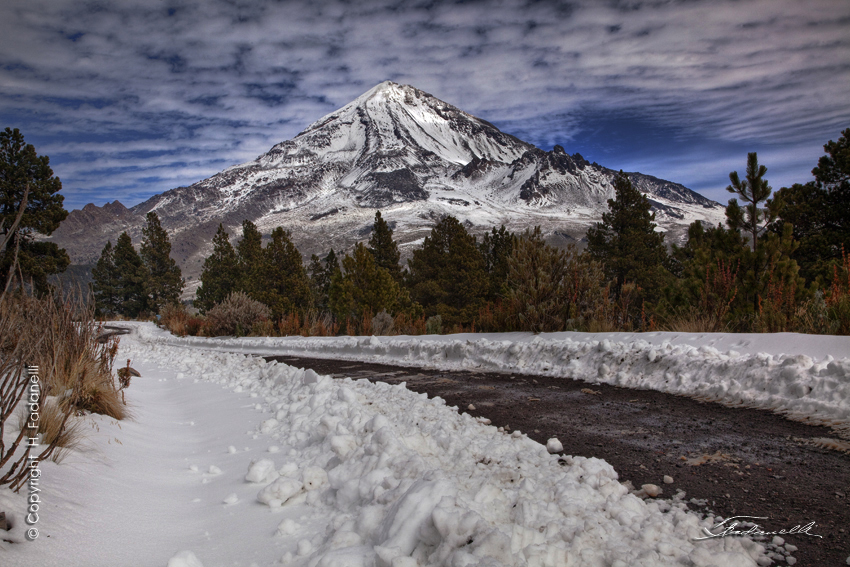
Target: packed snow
{"type": "Point", "coordinates": [234, 461]}
{"type": "Point", "coordinates": [806, 377]}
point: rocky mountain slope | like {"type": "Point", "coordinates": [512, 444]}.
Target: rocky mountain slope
{"type": "Point", "coordinates": [396, 149]}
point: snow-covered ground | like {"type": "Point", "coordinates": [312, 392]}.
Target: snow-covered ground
{"type": "Point", "coordinates": [234, 461]}
{"type": "Point", "coordinates": [805, 377]}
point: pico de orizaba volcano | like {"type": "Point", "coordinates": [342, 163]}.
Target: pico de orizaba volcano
{"type": "Point", "coordinates": [395, 149]}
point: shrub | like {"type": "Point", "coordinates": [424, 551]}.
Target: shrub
{"type": "Point", "coordinates": [236, 315]}
{"type": "Point", "coordinates": [174, 318]}
{"type": "Point", "coordinates": [383, 323]}
{"type": "Point", "coordinates": [434, 325]}
{"type": "Point", "coordinates": [405, 324]}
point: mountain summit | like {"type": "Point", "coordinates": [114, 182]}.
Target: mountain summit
{"type": "Point", "coordinates": [397, 149]}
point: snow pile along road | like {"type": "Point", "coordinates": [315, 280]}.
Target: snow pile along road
{"type": "Point", "coordinates": [797, 385]}
{"type": "Point", "coordinates": [399, 480]}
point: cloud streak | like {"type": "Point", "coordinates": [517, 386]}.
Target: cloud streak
{"type": "Point", "coordinates": [131, 98]}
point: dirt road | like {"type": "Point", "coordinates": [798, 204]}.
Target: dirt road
{"type": "Point", "coordinates": [730, 461]}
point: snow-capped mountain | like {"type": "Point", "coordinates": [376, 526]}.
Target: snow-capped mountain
{"type": "Point", "coordinates": [399, 150]}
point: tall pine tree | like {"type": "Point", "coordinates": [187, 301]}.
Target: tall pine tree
{"type": "Point", "coordinates": [497, 247]}
{"type": "Point", "coordinates": [220, 273]}
{"type": "Point", "coordinates": [447, 275]}
{"type": "Point", "coordinates": [753, 190]}
{"type": "Point", "coordinates": [165, 282]}
{"type": "Point", "coordinates": [249, 255]}
{"type": "Point", "coordinates": [132, 277]}
{"type": "Point", "coordinates": [384, 248]}
{"type": "Point", "coordinates": [21, 170]}
{"type": "Point", "coordinates": [284, 285]}
{"type": "Point", "coordinates": [626, 242]}
{"type": "Point", "coordinates": [364, 287]}
{"type": "Point", "coordinates": [105, 283]}
{"type": "Point", "coordinates": [818, 212]}
{"type": "Point", "coordinates": [321, 272]}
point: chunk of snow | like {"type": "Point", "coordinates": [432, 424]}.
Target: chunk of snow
{"type": "Point", "coordinates": [185, 559]}
{"type": "Point", "coordinates": [261, 471]}
{"type": "Point", "coordinates": [281, 490]}
{"type": "Point", "coordinates": [554, 446]}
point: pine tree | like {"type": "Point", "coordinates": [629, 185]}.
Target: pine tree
{"type": "Point", "coordinates": [384, 248]}
{"type": "Point", "coordinates": [22, 170]}
{"type": "Point", "coordinates": [105, 282]}
{"type": "Point", "coordinates": [316, 273]}
{"type": "Point", "coordinates": [548, 289]}
{"type": "Point", "coordinates": [535, 295]}
{"type": "Point", "coordinates": [720, 286]}
{"type": "Point", "coordinates": [321, 273]}
{"type": "Point", "coordinates": [496, 247]}
{"type": "Point", "coordinates": [165, 282]}
{"type": "Point", "coordinates": [331, 264]}
{"type": "Point", "coordinates": [132, 277]}
{"type": "Point", "coordinates": [283, 282]}
{"type": "Point", "coordinates": [818, 212]}
{"type": "Point", "coordinates": [626, 241]}
{"type": "Point", "coordinates": [447, 275]}
{"type": "Point", "coordinates": [753, 190]}
{"type": "Point", "coordinates": [364, 287]}
{"type": "Point", "coordinates": [249, 255]}
{"type": "Point", "coordinates": [220, 272]}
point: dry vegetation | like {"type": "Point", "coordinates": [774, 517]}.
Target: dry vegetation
{"type": "Point", "coordinates": [60, 337]}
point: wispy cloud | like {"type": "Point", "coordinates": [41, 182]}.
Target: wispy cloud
{"type": "Point", "coordinates": [130, 98]}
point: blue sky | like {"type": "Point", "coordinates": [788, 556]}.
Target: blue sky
{"type": "Point", "coordinates": [130, 98]}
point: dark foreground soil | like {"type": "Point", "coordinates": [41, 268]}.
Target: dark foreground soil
{"type": "Point", "coordinates": [752, 462]}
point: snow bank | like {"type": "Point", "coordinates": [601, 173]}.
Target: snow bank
{"type": "Point", "coordinates": [404, 480]}
{"type": "Point", "coordinates": [762, 374]}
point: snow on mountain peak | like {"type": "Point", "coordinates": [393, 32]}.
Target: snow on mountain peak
{"type": "Point", "coordinates": [400, 150]}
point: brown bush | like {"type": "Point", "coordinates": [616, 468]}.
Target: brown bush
{"type": "Point", "coordinates": [174, 318]}
{"type": "Point", "coordinates": [236, 315]}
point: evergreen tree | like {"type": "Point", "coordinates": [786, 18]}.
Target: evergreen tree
{"type": "Point", "coordinates": [105, 282]}
{"type": "Point", "coordinates": [132, 278]}
{"type": "Point", "coordinates": [384, 248]}
{"type": "Point", "coordinates": [548, 289]}
{"type": "Point", "coordinates": [535, 296]}
{"type": "Point", "coordinates": [364, 287]}
{"type": "Point", "coordinates": [626, 241]}
{"type": "Point", "coordinates": [753, 190]}
{"type": "Point", "coordinates": [447, 275]}
{"type": "Point", "coordinates": [220, 272]}
{"type": "Point", "coordinates": [22, 170]}
{"type": "Point", "coordinates": [331, 264]}
{"type": "Point", "coordinates": [283, 282]}
{"type": "Point", "coordinates": [818, 212]}
{"type": "Point", "coordinates": [165, 282]}
{"type": "Point", "coordinates": [316, 272]}
{"type": "Point", "coordinates": [497, 247]}
{"type": "Point", "coordinates": [721, 286]}
{"type": "Point", "coordinates": [249, 255]}
{"type": "Point", "coordinates": [321, 273]}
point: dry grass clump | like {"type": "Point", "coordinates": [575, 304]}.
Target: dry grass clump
{"type": "Point", "coordinates": [60, 337]}
{"type": "Point", "coordinates": [175, 318]}
{"type": "Point", "coordinates": [73, 365]}
{"type": "Point", "coordinates": [695, 320]}
{"type": "Point", "coordinates": [236, 315]}
{"type": "Point", "coordinates": [55, 429]}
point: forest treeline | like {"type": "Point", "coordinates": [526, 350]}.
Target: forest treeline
{"type": "Point", "coordinates": [780, 263]}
